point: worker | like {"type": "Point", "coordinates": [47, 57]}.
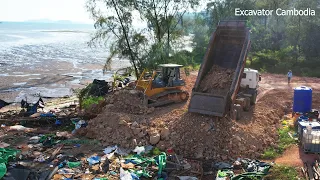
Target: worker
{"type": "Point", "coordinates": [289, 76]}
{"type": "Point", "coordinates": [171, 77]}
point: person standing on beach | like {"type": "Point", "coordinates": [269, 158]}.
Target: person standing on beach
{"type": "Point", "coordinates": [289, 76]}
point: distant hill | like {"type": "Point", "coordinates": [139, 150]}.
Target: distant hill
{"type": "Point", "coordinates": [50, 21]}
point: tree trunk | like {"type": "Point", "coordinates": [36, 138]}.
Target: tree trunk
{"type": "Point", "coordinates": [157, 22]}
{"type": "Point", "coordinates": [127, 40]}
{"type": "Point", "coordinates": [168, 30]}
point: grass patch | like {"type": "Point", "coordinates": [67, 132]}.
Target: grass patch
{"type": "Point", "coordinates": [278, 172]}
{"type": "Point", "coordinates": [284, 142]}
{"type": "Point", "coordinates": [88, 101]}
{"type": "Point", "coordinates": [194, 67]}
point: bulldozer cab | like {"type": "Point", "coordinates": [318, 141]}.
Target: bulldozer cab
{"type": "Point", "coordinates": [167, 76]}
{"type": "Point", "coordinates": [163, 86]}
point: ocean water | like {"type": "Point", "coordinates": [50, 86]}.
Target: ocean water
{"type": "Point", "coordinates": [29, 43]}
{"type": "Point", "coordinates": [26, 45]}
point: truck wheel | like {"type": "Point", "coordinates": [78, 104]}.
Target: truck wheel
{"type": "Point", "coordinates": [253, 99]}
{"type": "Point", "coordinates": [246, 104]}
{"type": "Point", "coordinates": [239, 114]}
{"type": "Point", "coordinates": [233, 112]}
{"type": "Point", "coordinates": [238, 111]}
{"type": "Point", "coordinates": [184, 96]}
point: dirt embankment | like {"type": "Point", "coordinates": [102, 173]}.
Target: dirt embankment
{"type": "Point", "coordinates": [124, 121]}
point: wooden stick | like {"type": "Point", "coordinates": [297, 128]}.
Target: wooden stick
{"type": "Point", "coordinates": [304, 173]}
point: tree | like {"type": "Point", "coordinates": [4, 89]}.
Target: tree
{"type": "Point", "coordinates": [163, 17]}
{"type": "Point", "coordinates": [115, 28]}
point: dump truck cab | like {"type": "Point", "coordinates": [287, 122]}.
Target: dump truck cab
{"type": "Point", "coordinates": [250, 78]}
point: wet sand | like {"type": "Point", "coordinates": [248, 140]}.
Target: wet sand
{"type": "Point", "coordinates": [51, 75]}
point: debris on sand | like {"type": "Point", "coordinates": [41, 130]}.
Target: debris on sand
{"type": "Point", "coordinates": [217, 81]}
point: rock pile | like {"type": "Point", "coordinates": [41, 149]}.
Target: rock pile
{"type": "Point", "coordinates": [217, 81]}
{"type": "Point", "coordinates": [123, 101]}
{"type": "Point", "coordinates": [129, 101]}
{"type": "Point", "coordinates": [126, 130]}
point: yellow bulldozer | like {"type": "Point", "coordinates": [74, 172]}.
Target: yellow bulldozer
{"type": "Point", "coordinates": [162, 86]}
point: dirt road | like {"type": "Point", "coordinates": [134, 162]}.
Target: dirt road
{"type": "Point", "coordinates": [279, 82]}
{"type": "Point", "coordinates": [293, 156]}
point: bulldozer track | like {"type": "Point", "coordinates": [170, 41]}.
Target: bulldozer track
{"type": "Point", "coordinates": [168, 97]}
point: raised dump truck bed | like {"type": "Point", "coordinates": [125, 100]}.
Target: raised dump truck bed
{"type": "Point", "coordinates": [220, 73]}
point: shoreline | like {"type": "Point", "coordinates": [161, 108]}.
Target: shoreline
{"type": "Point", "coordinates": [54, 77]}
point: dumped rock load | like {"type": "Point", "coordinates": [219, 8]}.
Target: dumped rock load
{"type": "Point", "coordinates": [119, 121]}
{"type": "Point", "coordinates": [112, 128]}
{"type": "Point", "coordinates": [129, 101]}
{"type": "Point", "coordinates": [217, 81]}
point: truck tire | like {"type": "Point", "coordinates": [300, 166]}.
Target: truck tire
{"type": "Point", "coordinates": [238, 111]}
{"type": "Point", "coordinates": [247, 104]}
{"type": "Point", "coordinates": [253, 98]}
{"type": "Point", "coordinates": [239, 114]}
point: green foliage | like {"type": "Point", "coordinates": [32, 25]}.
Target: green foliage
{"type": "Point", "coordinates": [284, 142]}
{"type": "Point", "coordinates": [278, 43]}
{"type": "Point", "coordinates": [278, 172]}
{"type": "Point", "coordinates": [88, 101]}
{"type": "Point", "coordinates": [183, 57]}
{"type": "Point", "coordinates": [270, 153]}
{"type": "Point", "coordinates": [113, 23]}
{"type": "Point", "coordinates": [83, 93]}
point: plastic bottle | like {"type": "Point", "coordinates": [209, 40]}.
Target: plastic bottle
{"type": "Point", "coordinates": [309, 128]}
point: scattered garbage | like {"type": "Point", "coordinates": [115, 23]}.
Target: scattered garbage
{"type": "Point", "coordinates": [78, 124]}
{"type": "Point", "coordinates": [252, 169]}
{"type": "Point", "coordinates": [125, 175]}
{"type": "Point", "coordinates": [187, 178]}
{"type": "Point", "coordinates": [6, 155]}
{"type": "Point", "coordinates": [110, 149]}
{"type": "Point", "coordinates": [19, 128]}
{"type": "Point", "coordinates": [73, 164]}
{"type": "Point", "coordinates": [4, 145]}
{"type": "Point", "coordinates": [139, 150]}
{"type": "Point", "coordinates": [34, 139]}
{"type": "Point", "coordinates": [93, 160]}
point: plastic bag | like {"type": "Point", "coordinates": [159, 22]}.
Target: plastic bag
{"type": "Point", "coordinates": [125, 175]}
{"type": "Point", "coordinates": [5, 156]}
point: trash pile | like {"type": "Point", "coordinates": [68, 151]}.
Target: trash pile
{"type": "Point", "coordinates": [242, 169]}
{"type": "Point", "coordinates": [311, 170]}
{"type": "Point", "coordinates": [60, 156]}
{"type": "Point", "coordinates": [217, 81]}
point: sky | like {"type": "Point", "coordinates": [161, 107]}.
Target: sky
{"type": "Point", "coordinates": [24, 10]}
